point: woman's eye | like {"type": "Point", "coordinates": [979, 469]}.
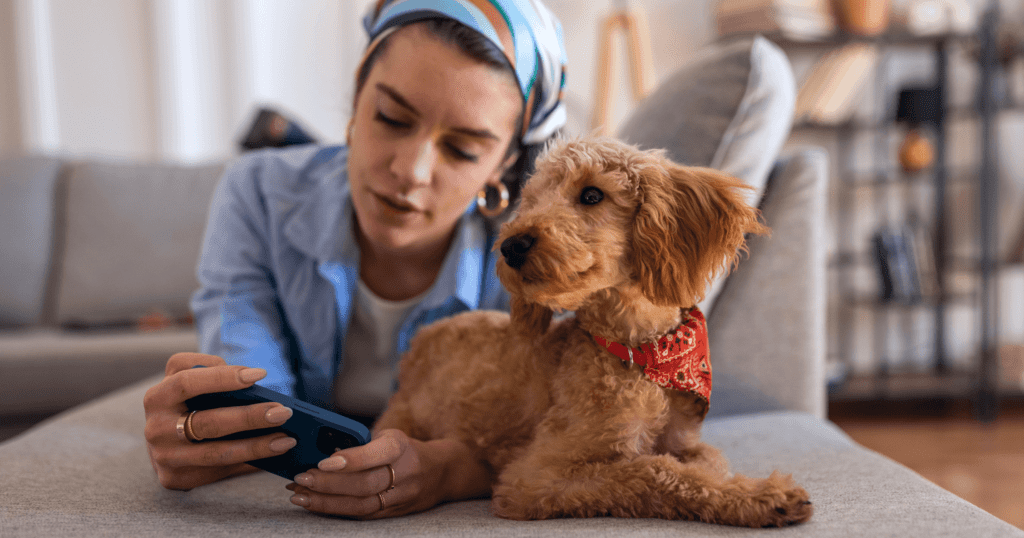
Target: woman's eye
{"type": "Point", "coordinates": [591, 196]}
{"type": "Point", "coordinates": [459, 154]}
{"type": "Point", "coordinates": [390, 121]}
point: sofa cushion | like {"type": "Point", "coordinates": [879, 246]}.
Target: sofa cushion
{"type": "Point", "coordinates": [87, 473]}
{"type": "Point", "coordinates": [730, 109]}
{"type": "Point", "coordinates": [132, 238]}
{"type": "Point", "coordinates": [47, 370]}
{"type": "Point", "coordinates": [28, 194]}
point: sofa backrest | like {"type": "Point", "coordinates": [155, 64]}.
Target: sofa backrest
{"type": "Point", "coordinates": [131, 239]}
{"type": "Point", "coordinates": [28, 198]}
{"type": "Point", "coordinates": [125, 239]}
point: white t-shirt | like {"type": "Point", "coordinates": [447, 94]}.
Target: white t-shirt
{"type": "Point", "coordinates": [368, 375]}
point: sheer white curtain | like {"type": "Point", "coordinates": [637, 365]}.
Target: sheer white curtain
{"type": "Point", "coordinates": [178, 80]}
{"type": "Point", "coordinates": [173, 80]}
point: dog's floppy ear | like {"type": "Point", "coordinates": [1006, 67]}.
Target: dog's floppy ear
{"type": "Point", "coordinates": [530, 319]}
{"type": "Point", "coordinates": [689, 227]}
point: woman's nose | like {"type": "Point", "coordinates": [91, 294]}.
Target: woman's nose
{"type": "Point", "coordinates": [415, 162]}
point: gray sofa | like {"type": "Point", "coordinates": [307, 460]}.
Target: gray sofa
{"type": "Point", "coordinates": [86, 472]}
{"type": "Point", "coordinates": [90, 249]}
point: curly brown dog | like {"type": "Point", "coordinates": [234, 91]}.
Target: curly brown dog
{"type": "Point", "coordinates": [628, 240]}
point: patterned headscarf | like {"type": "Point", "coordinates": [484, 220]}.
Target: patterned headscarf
{"type": "Point", "coordinates": [526, 32]}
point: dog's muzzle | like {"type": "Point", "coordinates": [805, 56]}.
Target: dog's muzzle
{"type": "Point", "coordinates": [515, 248]}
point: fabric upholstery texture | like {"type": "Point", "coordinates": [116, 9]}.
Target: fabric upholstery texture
{"type": "Point", "coordinates": [770, 316]}
{"type": "Point", "coordinates": [28, 194]}
{"type": "Point", "coordinates": [46, 370]}
{"type": "Point", "coordinates": [86, 473]}
{"type": "Point", "coordinates": [121, 230]}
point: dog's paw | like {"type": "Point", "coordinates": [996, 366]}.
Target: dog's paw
{"type": "Point", "coordinates": [781, 503]}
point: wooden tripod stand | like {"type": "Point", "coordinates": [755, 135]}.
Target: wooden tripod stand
{"type": "Point", "coordinates": [630, 21]}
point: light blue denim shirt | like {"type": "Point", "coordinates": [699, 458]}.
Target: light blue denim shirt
{"type": "Point", "coordinates": [280, 263]}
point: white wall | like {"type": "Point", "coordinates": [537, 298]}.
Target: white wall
{"type": "Point", "coordinates": [10, 115]}
{"type": "Point", "coordinates": [179, 80]}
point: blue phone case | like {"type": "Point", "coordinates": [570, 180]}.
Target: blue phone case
{"type": "Point", "coordinates": [318, 431]}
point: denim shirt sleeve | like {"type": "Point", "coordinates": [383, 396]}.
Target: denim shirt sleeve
{"type": "Point", "coordinates": [237, 311]}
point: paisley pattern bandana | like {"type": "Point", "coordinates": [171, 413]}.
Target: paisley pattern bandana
{"type": "Point", "coordinates": [679, 360]}
{"type": "Point", "coordinates": [524, 30]}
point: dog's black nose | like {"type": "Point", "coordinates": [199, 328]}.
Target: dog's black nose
{"type": "Point", "coordinates": [514, 249]}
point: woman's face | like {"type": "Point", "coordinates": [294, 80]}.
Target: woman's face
{"type": "Point", "coordinates": [431, 127]}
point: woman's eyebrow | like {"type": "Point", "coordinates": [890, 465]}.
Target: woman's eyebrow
{"type": "Point", "coordinates": [397, 97]}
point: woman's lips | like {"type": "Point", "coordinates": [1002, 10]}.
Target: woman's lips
{"type": "Point", "coordinates": [396, 203]}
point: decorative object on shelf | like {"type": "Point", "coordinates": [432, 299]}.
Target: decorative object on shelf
{"type": "Point", "coordinates": [916, 107]}
{"type": "Point", "coordinates": [830, 92]}
{"type": "Point", "coordinates": [937, 17]}
{"type": "Point", "coordinates": [863, 17]}
{"type": "Point", "coordinates": [632, 22]}
{"type": "Point", "coordinates": [916, 152]}
{"type": "Point", "coordinates": [271, 129]}
{"type": "Point", "coordinates": [802, 20]}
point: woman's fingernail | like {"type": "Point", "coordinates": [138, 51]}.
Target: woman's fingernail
{"type": "Point", "coordinates": [283, 444]}
{"type": "Point", "coordinates": [277, 415]}
{"type": "Point", "coordinates": [304, 479]}
{"type": "Point", "coordinates": [333, 463]}
{"type": "Point", "coordinates": [252, 375]}
{"type": "Point", "coordinates": [300, 500]}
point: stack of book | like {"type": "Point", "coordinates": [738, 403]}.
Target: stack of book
{"type": "Point", "coordinates": [832, 90]}
{"type": "Point", "coordinates": [906, 264]}
{"type": "Point", "coordinates": [795, 19]}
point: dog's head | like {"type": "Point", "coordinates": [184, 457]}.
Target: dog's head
{"type": "Point", "coordinates": [601, 214]}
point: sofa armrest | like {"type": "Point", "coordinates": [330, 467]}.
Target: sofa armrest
{"type": "Point", "coordinates": [767, 328]}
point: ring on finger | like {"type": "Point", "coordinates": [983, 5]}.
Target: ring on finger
{"type": "Point", "coordinates": [391, 481]}
{"type": "Point", "coordinates": [189, 430]}
{"type": "Point", "coordinates": [180, 427]}
{"type": "Point", "coordinates": [184, 428]}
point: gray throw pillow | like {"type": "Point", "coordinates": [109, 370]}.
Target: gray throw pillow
{"type": "Point", "coordinates": [731, 109]}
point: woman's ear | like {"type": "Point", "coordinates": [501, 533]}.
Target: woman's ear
{"type": "Point", "coordinates": [690, 226]}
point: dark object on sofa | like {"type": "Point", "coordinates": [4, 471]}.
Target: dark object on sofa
{"type": "Point", "coordinates": [271, 129]}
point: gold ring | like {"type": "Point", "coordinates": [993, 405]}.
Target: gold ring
{"type": "Point", "coordinates": [190, 434]}
{"type": "Point", "coordinates": [391, 483]}
{"type": "Point", "coordinates": [180, 427]}
{"type": "Point", "coordinates": [381, 497]}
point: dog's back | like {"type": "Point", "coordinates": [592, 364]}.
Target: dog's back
{"type": "Point", "coordinates": [475, 378]}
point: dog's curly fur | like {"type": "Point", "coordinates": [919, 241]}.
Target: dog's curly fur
{"type": "Point", "coordinates": [568, 429]}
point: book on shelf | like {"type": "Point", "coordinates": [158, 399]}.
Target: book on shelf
{"type": "Point", "coordinates": [906, 264]}
{"type": "Point", "coordinates": [831, 90]}
{"type": "Point", "coordinates": [796, 19]}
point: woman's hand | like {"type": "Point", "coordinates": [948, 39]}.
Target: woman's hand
{"type": "Point", "coordinates": [356, 482]}
{"type": "Point", "coordinates": [182, 464]}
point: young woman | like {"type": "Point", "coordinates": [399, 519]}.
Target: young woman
{"type": "Point", "coordinates": [320, 263]}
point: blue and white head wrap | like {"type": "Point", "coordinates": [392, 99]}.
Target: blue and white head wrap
{"type": "Point", "coordinates": [526, 32]}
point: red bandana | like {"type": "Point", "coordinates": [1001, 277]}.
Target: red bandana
{"type": "Point", "coordinates": [679, 360]}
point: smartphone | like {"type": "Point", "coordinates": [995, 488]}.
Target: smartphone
{"type": "Point", "coordinates": [319, 432]}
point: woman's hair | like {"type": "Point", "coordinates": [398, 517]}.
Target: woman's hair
{"type": "Point", "coordinates": [478, 47]}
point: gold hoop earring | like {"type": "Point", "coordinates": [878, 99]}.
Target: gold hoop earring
{"type": "Point", "coordinates": [481, 201]}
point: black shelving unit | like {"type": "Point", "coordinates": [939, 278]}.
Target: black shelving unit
{"type": "Point", "coordinates": [980, 383]}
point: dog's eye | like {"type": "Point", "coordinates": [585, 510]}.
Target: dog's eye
{"type": "Point", "coordinates": [591, 196]}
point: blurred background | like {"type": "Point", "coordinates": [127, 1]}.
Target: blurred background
{"type": "Point", "coordinates": [920, 104]}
